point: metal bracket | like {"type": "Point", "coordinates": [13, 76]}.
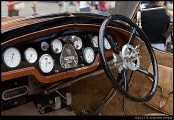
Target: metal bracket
{"type": "Point", "coordinates": [55, 106]}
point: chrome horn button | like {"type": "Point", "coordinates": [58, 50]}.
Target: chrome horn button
{"type": "Point", "coordinates": [130, 56]}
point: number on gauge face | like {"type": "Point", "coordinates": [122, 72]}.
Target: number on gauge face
{"type": "Point", "coordinates": [56, 46]}
{"type": "Point", "coordinates": [95, 41]}
{"type": "Point", "coordinates": [30, 55]}
{"type": "Point", "coordinates": [46, 63]}
{"type": "Point", "coordinates": [106, 44]}
{"type": "Point", "coordinates": [77, 43]}
{"type": "Point", "coordinates": [88, 55]}
{"type": "Point", "coordinates": [11, 57]}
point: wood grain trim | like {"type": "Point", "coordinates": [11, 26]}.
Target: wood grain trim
{"type": "Point", "coordinates": [12, 24]}
{"type": "Point", "coordinates": [7, 19]}
{"type": "Point", "coordinates": [50, 31]}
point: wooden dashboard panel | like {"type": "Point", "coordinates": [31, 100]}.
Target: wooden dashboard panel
{"type": "Point", "coordinates": [118, 33]}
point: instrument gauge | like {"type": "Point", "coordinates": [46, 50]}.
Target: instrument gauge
{"type": "Point", "coordinates": [11, 57]}
{"type": "Point", "coordinates": [107, 44]}
{"type": "Point", "coordinates": [77, 43]}
{"type": "Point", "coordinates": [56, 46]}
{"type": "Point", "coordinates": [44, 46]}
{"type": "Point", "coordinates": [88, 55]}
{"type": "Point", "coordinates": [95, 41]}
{"type": "Point", "coordinates": [46, 63]}
{"type": "Point", "coordinates": [30, 55]}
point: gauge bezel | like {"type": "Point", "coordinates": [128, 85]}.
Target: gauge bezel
{"type": "Point", "coordinates": [26, 53]}
{"type": "Point", "coordinates": [42, 58]}
{"type": "Point", "coordinates": [4, 59]}
{"type": "Point", "coordinates": [52, 46]}
{"type": "Point", "coordinates": [85, 57]}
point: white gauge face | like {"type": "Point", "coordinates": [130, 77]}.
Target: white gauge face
{"type": "Point", "coordinates": [11, 57]}
{"type": "Point", "coordinates": [30, 55]}
{"type": "Point", "coordinates": [77, 43]}
{"type": "Point", "coordinates": [56, 46]}
{"type": "Point", "coordinates": [44, 46]}
{"type": "Point", "coordinates": [95, 41]}
{"type": "Point", "coordinates": [46, 63]}
{"type": "Point", "coordinates": [88, 55]}
{"type": "Point", "coordinates": [106, 44]}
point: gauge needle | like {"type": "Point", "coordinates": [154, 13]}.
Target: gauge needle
{"type": "Point", "coordinates": [11, 58]}
{"type": "Point", "coordinates": [12, 55]}
{"type": "Point", "coordinates": [46, 62]}
{"type": "Point", "coordinates": [30, 57]}
{"type": "Point", "coordinates": [88, 55]}
{"type": "Point", "coordinates": [11, 61]}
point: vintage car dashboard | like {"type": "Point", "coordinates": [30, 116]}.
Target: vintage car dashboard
{"type": "Point", "coordinates": [56, 52]}
{"type": "Point", "coordinates": [55, 56]}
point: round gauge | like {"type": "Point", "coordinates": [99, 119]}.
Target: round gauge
{"type": "Point", "coordinates": [95, 41]}
{"type": "Point", "coordinates": [11, 57]}
{"type": "Point", "coordinates": [30, 55]}
{"type": "Point", "coordinates": [56, 46]}
{"type": "Point", "coordinates": [88, 55]}
{"type": "Point", "coordinates": [106, 44]}
{"type": "Point", "coordinates": [44, 46]}
{"type": "Point", "coordinates": [46, 63]}
{"type": "Point", "coordinates": [77, 43]}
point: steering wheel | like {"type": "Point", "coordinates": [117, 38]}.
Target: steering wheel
{"type": "Point", "coordinates": [129, 58]}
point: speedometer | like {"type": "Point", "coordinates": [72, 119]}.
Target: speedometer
{"type": "Point", "coordinates": [46, 63]}
{"type": "Point", "coordinates": [11, 57]}
{"type": "Point", "coordinates": [56, 46]}
{"type": "Point", "coordinates": [88, 55]}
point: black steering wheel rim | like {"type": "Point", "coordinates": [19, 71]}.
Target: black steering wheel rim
{"type": "Point", "coordinates": [106, 67]}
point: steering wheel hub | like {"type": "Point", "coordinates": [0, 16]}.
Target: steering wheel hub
{"type": "Point", "coordinates": [130, 56]}
{"type": "Point", "coordinates": [118, 62]}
